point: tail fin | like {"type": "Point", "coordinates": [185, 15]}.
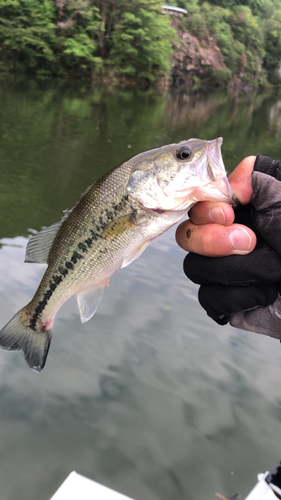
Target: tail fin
{"type": "Point", "coordinates": [16, 336]}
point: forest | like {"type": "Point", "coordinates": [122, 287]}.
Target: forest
{"type": "Point", "coordinates": [133, 38]}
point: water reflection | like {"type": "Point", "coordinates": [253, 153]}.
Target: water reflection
{"type": "Point", "coordinates": [150, 397]}
{"type": "Point", "coordinates": [54, 142]}
{"type": "Point", "coordinates": [275, 118]}
{"type": "Point", "coordinates": [146, 397]}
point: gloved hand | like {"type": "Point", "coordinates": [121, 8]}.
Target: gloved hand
{"type": "Point", "coordinates": [245, 289]}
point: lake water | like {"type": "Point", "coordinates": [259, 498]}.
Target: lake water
{"type": "Point", "coordinates": [150, 397]}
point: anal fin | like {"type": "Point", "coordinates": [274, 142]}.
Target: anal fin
{"type": "Point", "coordinates": [88, 301]}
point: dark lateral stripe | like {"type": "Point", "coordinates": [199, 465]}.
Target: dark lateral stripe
{"type": "Point", "coordinates": [54, 282]}
{"type": "Point", "coordinates": [89, 242]}
{"type": "Point", "coordinates": [109, 214]}
{"type": "Point", "coordinates": [63, 271]}
{"type": "Point", "coordinates": [82, 247]}
{"type": "Point", "coordinates": [94, 235]}
{"type": "Point", "coordinates": [76, 256]}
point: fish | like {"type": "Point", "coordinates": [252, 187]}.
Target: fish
{"type": "Point", "coordinates": [107, 228]}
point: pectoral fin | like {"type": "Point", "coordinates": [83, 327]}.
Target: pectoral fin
{"type": "Point", "coordinates": [119, 226]}
{"type": "Point", "coordinates": [88, 302]}
{"type": "Point", "coordinates": [135, 254]}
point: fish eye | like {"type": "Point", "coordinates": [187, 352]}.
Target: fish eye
{"type": "Point", "coordinates": [184, 153]}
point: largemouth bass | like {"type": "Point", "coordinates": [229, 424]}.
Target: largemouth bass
{"type": "Point", "coordinates": [107, 228]}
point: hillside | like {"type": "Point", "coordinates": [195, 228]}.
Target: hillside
{"type": "Point", "coordinates": [218, 42]}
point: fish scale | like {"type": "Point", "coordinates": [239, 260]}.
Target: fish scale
{"type": "Point", "coordinates": [107, 228]}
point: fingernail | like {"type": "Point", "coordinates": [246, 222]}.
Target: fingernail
{"type": "Point", "coordinates": [240, 239]}
{"type": "Point", "coordinates": [216, 214]}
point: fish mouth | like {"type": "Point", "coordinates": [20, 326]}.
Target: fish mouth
{"type": "Point", "coordinates": [216, 171]}
{"type": "Point", "coordinates": [215, 165]}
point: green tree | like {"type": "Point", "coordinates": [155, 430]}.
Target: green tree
{"type": "Point", "coordinates": [27, 34]}
{"type": "Point", "coordinates": [78, 23]}
{"type": "Point", "coordinates": [272, 59]}
{"type": "Point", "coordinates": [79, 37]}
{"type": "Point", "coordinates": [142, 40]}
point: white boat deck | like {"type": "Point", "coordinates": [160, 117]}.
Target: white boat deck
{"type": "Point", "coordinates": [262, 491]}
{"type": "Point", "coordinates": [77, 487]}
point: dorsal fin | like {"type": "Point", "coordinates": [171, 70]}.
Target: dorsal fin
{"type": "Point", "coordinates": [75, 203]}
{"type": "Point", "coordinates": [39, 245]}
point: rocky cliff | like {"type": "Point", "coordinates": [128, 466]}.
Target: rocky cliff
{"type": "Point", "coordinates": [196, 59]}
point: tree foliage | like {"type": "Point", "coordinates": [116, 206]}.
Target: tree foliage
{"type": "Point", "coordinates": [27, 33]}
{"type": "Point", "coordinates": [79, 36]}
{"type": "Point", "coordinates": [82, 37]}
{"type": "Point", "coordinates": [141, 40]}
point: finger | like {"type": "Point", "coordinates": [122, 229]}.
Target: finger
{"type": "Point", "coordinates": [221, 213]}
{"type": "Point", "coordinates": [205, 212]}
{"type": "Point", "coordinates": [215, 240]}
{"type": "Point", "coordinates": [240, 180]}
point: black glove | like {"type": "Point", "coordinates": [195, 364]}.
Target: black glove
{"type": "Point", "coordinates": [245, 289]}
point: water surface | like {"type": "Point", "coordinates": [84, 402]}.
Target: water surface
{"type": "Point", "coordinates": [150, 397]}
